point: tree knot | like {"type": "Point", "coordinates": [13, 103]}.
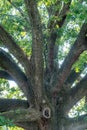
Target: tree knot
{"type": "Point", "coordinates": [46, 112]}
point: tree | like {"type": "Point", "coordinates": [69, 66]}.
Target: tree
{"type": "Point", "coordinates": [43, 48]}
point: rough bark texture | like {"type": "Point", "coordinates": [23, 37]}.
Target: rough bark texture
{"type": "Point", "coordinates": [12, 104]}
{"type": "Point", "coordinates": [47, 87]}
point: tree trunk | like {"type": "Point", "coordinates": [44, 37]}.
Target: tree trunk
{"type": "Point", "coordinates": [52, 125]}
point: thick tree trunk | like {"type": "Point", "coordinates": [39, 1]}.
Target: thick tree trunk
{"type": "Point", "coordinates": [46, 126]}
{"type": "Point", "coordinates": [52, 125]}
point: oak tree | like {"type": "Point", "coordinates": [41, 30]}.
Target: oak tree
{"type": "Point", "coordinates": [43, 48]}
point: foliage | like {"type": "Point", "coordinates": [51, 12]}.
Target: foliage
{"type": "Point", "coordinates": [3, 127]}
{"type": "Point", "coordinates": [78, 109]}
{"type": "Point", "coordinates": [81, 63]}
{"type": "Point", "coordinates": [10, 90]}
{"type": "Point", "coordinates": [15, 23]}
{"type": "Point", "coordinates": [15, 128]}
{"type": "Point", "coordinates": [6, 122]}
{"type": "Point", "coordinates": [10, 128]}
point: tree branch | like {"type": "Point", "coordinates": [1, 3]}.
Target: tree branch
{"type": "Point", "coordinates": [19, 9]}
{"type": "Point", "coordinates": [21, 115]}
{"type": "Point", "coordinates": [79, 46]}
{"type": "Point", "coordinates": [11, 67]}
{"type": "Point", "coordinates": [53, 33]}
{"type": "Point", "coordinates": [51, 52]}
{"type": "Point", "coordinates": [28, 125]}
{"type": "Point", "coordinates": [9, 42]}
{"type": "Point", "coordinates": [5, 75]}
{"type": "Point", "coordinates": [76, 93]}
{"type": "Point", "coordinates": [61, 14]}
{"type": "Point", "coordinates": [73, 76]}
{"type": "Point", "coordinates": [37, 46]}
{"type": "Point", "coordinates": [78, 123]}
{"type": "Point", "coordinates": [27, 27]}
{"type": "Point", "coordinates": [12, 104]}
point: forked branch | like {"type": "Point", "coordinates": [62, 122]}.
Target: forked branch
{"type": "Point", "coordinates": [52, 25]}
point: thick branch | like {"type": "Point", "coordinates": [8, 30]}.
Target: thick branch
{"type": "Point", "coordinates": [76, 93]}
{"type": "Point", "coordinates": [9, 42]}
{"type": "Point", "coordinates": [5, 75]}
{"type": "Point", "coordinates": [12, 104]}
{"type": "Point", "coordinates": [52, 50]}
{"type": "Point", "coordinates": [11, 67]}
{"type": "Point", "coordinates": [27, 125]}
{"type": "Point", "coordinates": [37, 45]}
{"type": "Point", "coordinates": [78, 123]}
{"type": "Point", "coordinates": [53, 33]}
{"type": "Point", "coordinates": [21, 115]}
{"type": "Point", "coordinates": [79, 46]}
